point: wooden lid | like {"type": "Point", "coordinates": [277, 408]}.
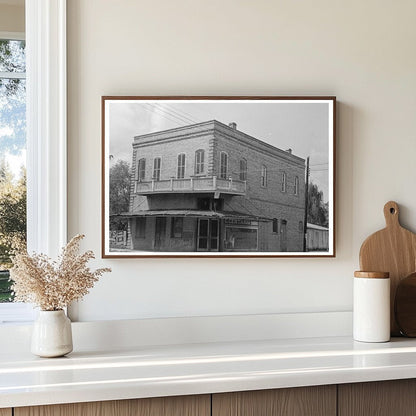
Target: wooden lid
{"type": "Point", "coordinates": [372, 275]}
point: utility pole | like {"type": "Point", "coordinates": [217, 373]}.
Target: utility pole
{"type": "Point", "coordinates": [305, 221]}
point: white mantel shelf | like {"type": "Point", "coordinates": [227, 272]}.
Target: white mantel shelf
{"type": "Point", "coordinates": [151, 371]}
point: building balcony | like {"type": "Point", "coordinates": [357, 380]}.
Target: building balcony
{"type": "Point", "coordinates": [210, 184]}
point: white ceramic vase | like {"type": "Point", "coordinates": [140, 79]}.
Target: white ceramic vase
{"type": "Point", "coordinates": [52, 334]}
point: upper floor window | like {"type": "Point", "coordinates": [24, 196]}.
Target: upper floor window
{"type": "Point", "coordinates": [141, 170]}
{"type": "Point", "coordinates": [199, 161]}
{"type": "Point", "coordinates": [223, 165]}
{"type": "Point", "coordinates": [284, 179]}
{"type": "Point", "coordinates": [181, 166]}
{"type": "Point", "coordinates": [243, 170]}
{"type": "Point", "coordinates": [296, 190]}
{"type": "Point", "coordinates": [263, 176]}
{"type": "Point", "coordinates": [157, 162]}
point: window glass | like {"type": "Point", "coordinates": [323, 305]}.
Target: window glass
{"type": "Point", "coordinates": [296, 191]}
{"type": "Point", "coordinates": [243, 170]}
{"type": "Point", "coordinates": [263, 176]}
{"type": "Point", "coordinates": [141, 170]}
{"type": "Point", "coordinates": [156, 168]}
{"type": "Point", "coordinates": [12, 156]}
{"type": "Point", "coordinates": [275, 225]}
{"type": "Point", "coordinates": [181, 166]}
{"type": "Point", "coordinates": [283, 181]}
{"type": "Point", "coordinates": [223, 165]}
{"type": "Point", "coordinates": [199, 161]}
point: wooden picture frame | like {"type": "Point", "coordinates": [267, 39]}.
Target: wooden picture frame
{"type": "Point", "coordinates": [217, 177]}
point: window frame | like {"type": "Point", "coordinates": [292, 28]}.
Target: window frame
{"type": "Point", "coordinates": [199, 164]}
{"type": "Point", "coordinates": [181, 168]}
{"type": "Point", "coordinates": [263, 176]}
{"type": "Point", "coordinates": [141, 168]}
{"type": "Point", "coordinates": [296, 186]}
{"type": "Point", "coordinates": [159, 169]}
{"type": "Point", "coordinates": [46, 137]}
{"type": "Point", "coordinates": [284, 182]}
{"type": "Point", "coordinates": [223, 175]}
{"type": "Point", "coordinates": [243, 169]}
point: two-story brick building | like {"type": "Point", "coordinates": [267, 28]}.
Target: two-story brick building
{"type": "Point", "coordinates": [211, 187]}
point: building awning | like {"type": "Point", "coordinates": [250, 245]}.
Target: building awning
{"type": "Point", "coordinates": [193, 214]}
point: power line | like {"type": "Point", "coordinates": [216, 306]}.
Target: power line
{"type": "Point", "coordinates": [154, 110]}
{"type": "Point", "coordinates": [174, 113]}
{"type": "Point", "coordinates": [180, 113]}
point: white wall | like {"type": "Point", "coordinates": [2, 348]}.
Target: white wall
{"type": "Point", "coordinates": [12, 17]}
{"type": "Point", "coordinates": [361, 51]}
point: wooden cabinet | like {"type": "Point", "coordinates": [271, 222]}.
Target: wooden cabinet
{"type": "Point", "coordinates": [381, 398]}
{"type": "Point", "coordinates": [385, 398]}
{"type": "Point", "coordinates": [163, 406]}
{"type": "Point", "coordinates": [300, 401]}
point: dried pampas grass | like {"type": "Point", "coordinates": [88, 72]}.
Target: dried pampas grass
{"type": "Point", "coordinates": [53, 285]}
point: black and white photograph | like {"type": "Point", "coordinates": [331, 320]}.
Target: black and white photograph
{"type": "Point", "coordinates": [226, 176]}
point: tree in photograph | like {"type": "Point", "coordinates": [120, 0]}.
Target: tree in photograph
{"type": "Point", "coordinates": [317, 208]}
{"type": "Point", "coordinates": [119, 193]}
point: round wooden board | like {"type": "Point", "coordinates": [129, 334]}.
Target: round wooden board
{"type": "Point", "coordinates": [405, 306]}
{"type": "Point", "coordinates": [392, 250]}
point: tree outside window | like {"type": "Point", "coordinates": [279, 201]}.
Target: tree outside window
{"type": "Point", "coordinates": [12, 156]}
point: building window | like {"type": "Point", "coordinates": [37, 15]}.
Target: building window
{"type": "Point", "coordinates": [223, 165]}
{"type": "Point", "coordinates": [181, 166]}
{"type": "Point", "coordinates": [156, 168]}
{"type": "Point", "coordinates": [140, 227]}
{"type": "Point", "coordinates": [199, 161]}
{"type": "Point", "coordinates": [275, 225]}
{"type": "Point", "coordinates": [301, 226]}
{"type": "Point", "coordinates": [243, 170]}
{"type": "Point", "coordinates": [176, 230]}
{"type": "Point", "coordinates": [263, 176]}
{"type": "Point", "coordinates": [296, 190]}
{"type": "Point", "coordinates": [141, 170]}
{"type": "Point", "coordinates": [284, 181]}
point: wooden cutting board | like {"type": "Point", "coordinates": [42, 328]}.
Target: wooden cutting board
{"type": "Point", "coordinates": [393, 250]}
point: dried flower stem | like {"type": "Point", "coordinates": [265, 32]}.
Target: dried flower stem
{"type": "Point", "coordinates": [53, 285]}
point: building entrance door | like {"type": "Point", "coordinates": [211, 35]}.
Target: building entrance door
{"type": "Point", "coordinates": [160, 232]}
{"type": "Point", "coordinates": [283, 236]}
{"type": "Point", "coordinates": [208, 235]}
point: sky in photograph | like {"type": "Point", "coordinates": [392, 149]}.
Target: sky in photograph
{"type": "Point", "coordinates": [303, 127]}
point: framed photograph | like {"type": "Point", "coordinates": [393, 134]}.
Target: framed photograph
{"type": "Point", "coordinates": [218, 176]}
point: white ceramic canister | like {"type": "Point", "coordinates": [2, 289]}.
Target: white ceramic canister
{"type": "Point", "coordinates": [371, 322]}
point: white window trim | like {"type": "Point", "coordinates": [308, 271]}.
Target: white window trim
{"type": "Point", "coordinates": [46, 134]}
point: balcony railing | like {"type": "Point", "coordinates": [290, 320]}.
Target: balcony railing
{"type": "Point", "coordinates": [189, 185]}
